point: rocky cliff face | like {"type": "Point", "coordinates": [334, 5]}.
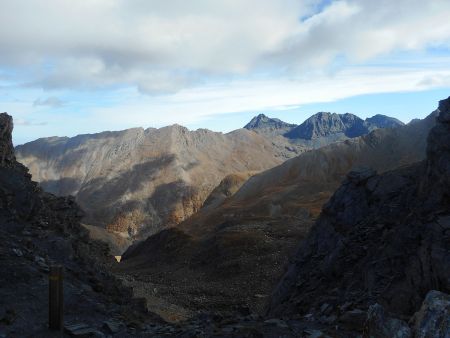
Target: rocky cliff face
{"type": "Point", "coordinates": [135, 182]}
{"type": "Point", "coordinates": [380, 239]}
{"type": "Point", "coordinates": [38, 230]}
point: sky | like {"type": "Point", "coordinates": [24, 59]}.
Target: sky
{"type": "Point", "coordinates": [72, 67]}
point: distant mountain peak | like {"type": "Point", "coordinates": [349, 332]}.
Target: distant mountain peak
{"type": "Point", "coordinates": [326, 124]}
{"type": "Point", "coordinates": [383, 121]}
{"type": "Point", "coordinates": [262, 121]}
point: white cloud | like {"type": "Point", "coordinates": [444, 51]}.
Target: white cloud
{"type": "Point", "coordinates": [52, 102]}
{"type": "Point", "coordinates": [164, 46]}
{"type": "Point", "coordinates": [193, 105]}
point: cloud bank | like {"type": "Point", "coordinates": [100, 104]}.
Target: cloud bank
{"type": "Point", "coordinates": [162, 47]}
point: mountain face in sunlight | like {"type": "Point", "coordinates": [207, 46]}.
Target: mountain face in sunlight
{"type": "Point", "coordinates": [136, 182]}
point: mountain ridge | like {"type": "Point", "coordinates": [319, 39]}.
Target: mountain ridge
{"type": "Point", "coordinates": [155, 177]}
{"type": "Point", "coordinates": [122, 179]}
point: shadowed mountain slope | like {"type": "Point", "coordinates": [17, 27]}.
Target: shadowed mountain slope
{"type": "Point", "coordinates": [139, 181]}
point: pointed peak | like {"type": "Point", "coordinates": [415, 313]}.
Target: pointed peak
{"type": "Point", "coordinates": [382, 121]}
{"type": "Point", "coordinates": [262, 121]}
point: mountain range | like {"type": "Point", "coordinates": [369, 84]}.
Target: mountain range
{"type": "Point", "coordinates": [136, 182]}
{"type": "Point", "coordinates": [321, 128]}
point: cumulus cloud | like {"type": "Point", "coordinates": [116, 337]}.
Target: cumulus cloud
{"type": "Point", "coordinates": [52, 102]}
{"type": "Point", "coordinates": [164, 46]}
{"type": "Point", "coordinates": [363, 29]}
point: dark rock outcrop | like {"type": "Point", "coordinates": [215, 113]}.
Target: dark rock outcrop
{"type": "Point", "coordinates": [384, 239]}
{"type": "Point", "coordinates": [38, 230]}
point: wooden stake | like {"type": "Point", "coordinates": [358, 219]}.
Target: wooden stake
{"type": "Point", "coordinates": [56, 300]}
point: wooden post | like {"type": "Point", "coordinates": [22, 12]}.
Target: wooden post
{"type": "Point", "coordinates": [56, 303]}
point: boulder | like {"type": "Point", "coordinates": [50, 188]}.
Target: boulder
{"type": "Point", "coordinates": [381, 325]}
{"type": "Point", "coordinates": [433, 318]}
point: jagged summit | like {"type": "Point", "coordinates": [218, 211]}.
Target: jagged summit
{"type": "Point", "coordinates": [262, 121]}
{"type": "Point", "coordinates": [324, 124]}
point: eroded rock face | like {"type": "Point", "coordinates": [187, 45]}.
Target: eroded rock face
{"type": "Point", "coordinates": [382, 240]}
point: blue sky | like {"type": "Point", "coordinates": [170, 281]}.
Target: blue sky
{"type": "Point", "coordinates": [81, 67]}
